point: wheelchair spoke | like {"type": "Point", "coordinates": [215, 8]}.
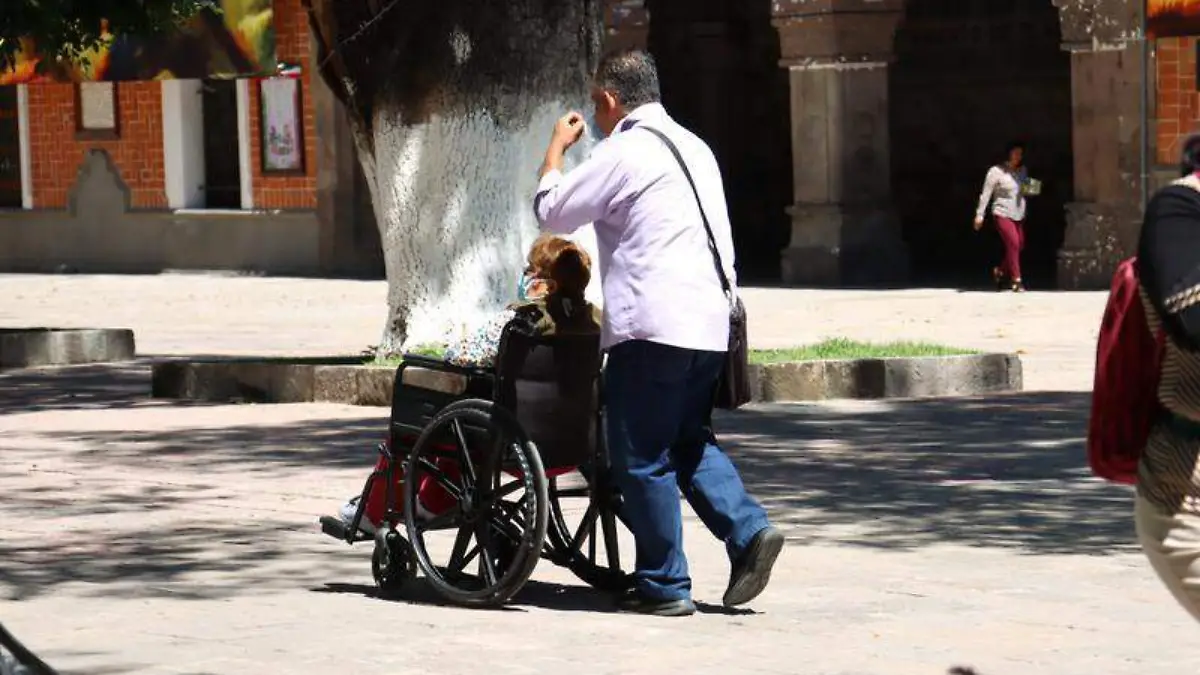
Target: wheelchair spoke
{"type": "Point", "coordinates": [441, 477]}
{"type": "Point", "coordinates": [487, 567]}
{"type": "Point", "coordinates": [464, 455]}
{"type": "Point", "coordinates": [497, 496]}
{"type": "Point", "coordinates": [586, 526]}
{"type": "Point", "coordinates": [573, 493]}
{"type": "Point", "coordinates": [508, 509]}
{"type": "Point", "coordinates": [458, 559]}
{"type": "Point", "coordinates": [471, 555]}
{"type": "Point", "coordinates": [508, 488]}
{"type": "Point", "coordinates": [608, 524]}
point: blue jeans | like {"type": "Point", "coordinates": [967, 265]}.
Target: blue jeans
{"type": "Point", "coordinates": [659, 407]}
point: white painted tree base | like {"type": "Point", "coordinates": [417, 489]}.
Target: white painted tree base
{"type": "Point", "coordinates": [453, 198]}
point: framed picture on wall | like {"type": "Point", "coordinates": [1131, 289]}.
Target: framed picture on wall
{"type": "Point", "coordinates": [281, 126]}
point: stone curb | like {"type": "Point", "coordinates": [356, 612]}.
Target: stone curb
{"type": "Point", "coordinates": [36, 347]}
{"type": "Point", "coordinates": [343, 381]}
{"type": "Point", "coordinates": [926, 377]}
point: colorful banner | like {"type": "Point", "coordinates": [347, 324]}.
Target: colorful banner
{"type": "Point", "coordinates": [1172, 18]}
{"type": "Point", "coordinates": [238, 41]}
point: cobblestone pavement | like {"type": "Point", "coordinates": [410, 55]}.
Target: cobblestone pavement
{"type": "Point", "coordinates": [151, 537]}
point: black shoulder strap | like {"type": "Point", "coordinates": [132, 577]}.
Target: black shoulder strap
{"type": "Point", "coordinates": [712, 241]}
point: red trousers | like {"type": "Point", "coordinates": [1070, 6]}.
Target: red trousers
{"type": "Point", "coordinates": [1012, 233]}
{"type": "Point", "coordinates": [430, 493]}
{"type": "Point", "coordinates": [433, 497]}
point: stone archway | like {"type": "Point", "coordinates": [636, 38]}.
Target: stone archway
{"type": "Point", "coordinates": [969, 76]}
{"type": "Point", "coordinates": [844, 228]}
{"type": "Point", "coordinates": [837, 54]}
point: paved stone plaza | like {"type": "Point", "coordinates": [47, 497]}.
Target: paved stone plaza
{"type": "Point", "coordinates": [153, 537]}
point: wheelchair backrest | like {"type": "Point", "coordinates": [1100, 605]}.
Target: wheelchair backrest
{"type": "Point", "coordinates": [551, 384]}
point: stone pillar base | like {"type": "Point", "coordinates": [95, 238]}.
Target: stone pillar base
{"type": "Point", "coordinates": [1086, 269]}
{"type": "Point", "coordinates": [844, 246]}
{"type": "Point", "coordinates": [1098, 237]}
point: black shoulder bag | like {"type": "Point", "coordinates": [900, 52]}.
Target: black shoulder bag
{"type": "Point", "coordinates": [733, 387]}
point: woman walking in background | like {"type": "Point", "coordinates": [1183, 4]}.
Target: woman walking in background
{"type": "Point", "coordinates": [1005, 188]}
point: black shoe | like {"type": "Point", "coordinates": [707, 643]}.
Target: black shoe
{"type": "Point", "coordinates": [635, 602]}
{"type": "Point", "coordinates": [752, 570]}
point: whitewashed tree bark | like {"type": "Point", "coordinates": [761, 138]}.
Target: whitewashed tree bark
{"type": "Point", "coordinates": [451, 103]}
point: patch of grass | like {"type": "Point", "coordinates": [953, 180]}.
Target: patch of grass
{"type": "Point", "coordinates": [841, 348]}
{"type": "Point", "coordinates": [826, 350]}
{"type": "Point", "coordinates": [432, 351]}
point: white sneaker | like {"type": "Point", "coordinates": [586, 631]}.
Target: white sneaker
{"type": "Point", "coordinates": [346, 513]}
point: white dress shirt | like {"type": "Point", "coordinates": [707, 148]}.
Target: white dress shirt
{"type": "Point", "coordinates": [659, 280]}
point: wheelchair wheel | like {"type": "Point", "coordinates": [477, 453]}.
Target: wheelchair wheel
{"type": "Point", "coordinates": [475, 504]}
{"type": "Point", "coordinates": [392, 563]}
{"type": "Point", "coordinates": [583, 531]}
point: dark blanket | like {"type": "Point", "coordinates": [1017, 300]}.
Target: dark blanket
{"type": "Point", "coordinates": [1169, 261]}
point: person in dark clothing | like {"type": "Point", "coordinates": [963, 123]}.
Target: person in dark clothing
{"type": "Point", "coordinates": [1167, 512]}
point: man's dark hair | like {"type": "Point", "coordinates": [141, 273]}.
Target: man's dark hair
{"type": "Point", "coordinates": [631, 76]}
{"type": "Point", "coordinates": [1013, 145]}
{"type": "Point", "coordinates": [1189, 157]}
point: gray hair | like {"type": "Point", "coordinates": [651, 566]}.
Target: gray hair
{"type": "Point", "coordinates": [631, 76]}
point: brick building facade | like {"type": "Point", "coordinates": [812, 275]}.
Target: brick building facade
{"type": "Point", "coordinates": [57, 149]}
{"type": "Point", "coordinates": [853, 156]}
{"type": "Point", "coordinates": [1178, 98]}
{"type": "Point", "coordinates": [177, 179]}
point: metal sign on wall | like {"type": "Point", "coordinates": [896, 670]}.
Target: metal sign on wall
{"type": "Point", "coordinates": [1172, 18]}
{"type": "Point", "coordinates": [239, 41]}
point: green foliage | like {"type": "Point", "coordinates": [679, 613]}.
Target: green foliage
{"type": "Point", "coordinates": [68, 29]}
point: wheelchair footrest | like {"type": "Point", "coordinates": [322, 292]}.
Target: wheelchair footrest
{"type": "Point", "coordinates": [334, 527]}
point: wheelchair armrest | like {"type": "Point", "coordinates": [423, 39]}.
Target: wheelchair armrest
{"type": "Point", "coordinates": [433, 363]}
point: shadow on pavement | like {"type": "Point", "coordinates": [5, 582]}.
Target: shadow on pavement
{"type": "Point", "coordinates": [1007, 472]}
{"type": "Point", "coordinates": [553, 597]}
{"type": "Point", "coordinates": [103, 386]}
{"type": "Point", "coordinates": [1001, 472]}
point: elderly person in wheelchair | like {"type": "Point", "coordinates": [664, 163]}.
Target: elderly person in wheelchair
{"type": "Point", "coordinates": [494, 443]}
{"type": "Point", "coordinates": [550, 301]}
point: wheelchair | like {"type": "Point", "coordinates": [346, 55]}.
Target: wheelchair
{"type": "Point", "coordinates": [512, 455]}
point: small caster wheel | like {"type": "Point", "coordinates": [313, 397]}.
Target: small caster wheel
{"type": "Point", "coordinates": [392, 563]}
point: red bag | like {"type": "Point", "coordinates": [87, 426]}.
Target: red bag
{"type": "Point", "coordinates": [1125, 391]}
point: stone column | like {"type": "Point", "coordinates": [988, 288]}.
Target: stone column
{"type": "Point", "coordinates": [626, 24]}
{"type": "Point", "coordinates": [1103, 222]}
{"type": "Point", "coordinates": [844, 229]}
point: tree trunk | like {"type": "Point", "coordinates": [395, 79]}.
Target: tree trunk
{"type": "Point", "coordinates": [451, 104]}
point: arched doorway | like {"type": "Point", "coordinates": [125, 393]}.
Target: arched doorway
{"type": "Point", "coordinates": [970, 76]}
{"type": "Point", "coordinates": [718, 63]}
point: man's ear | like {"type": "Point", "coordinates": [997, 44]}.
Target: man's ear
{"type": "Point", "coordinates": [610, 102]}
